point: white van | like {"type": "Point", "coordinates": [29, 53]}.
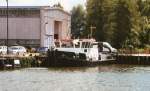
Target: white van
{"type": "Point", "coordinates": [3, 49]}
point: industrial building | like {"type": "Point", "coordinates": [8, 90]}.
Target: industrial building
{"type": "Point", "coordinates": [34, 26]}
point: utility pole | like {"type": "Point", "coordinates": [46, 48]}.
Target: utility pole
{"type": "Point", "coordinates": [7, 26]}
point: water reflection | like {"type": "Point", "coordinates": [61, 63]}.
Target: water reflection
{"type": "Point", "coordinates": [102, 78]}
{"type": "Point", "coordinates": [103, 68]}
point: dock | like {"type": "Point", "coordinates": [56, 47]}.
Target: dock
{"type": "Point", "coordinates": [21, 61]}
{"type": "Point", "coordinates": [139, 59]}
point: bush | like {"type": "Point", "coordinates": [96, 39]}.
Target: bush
{"type": "Point", "coordinates": [27, 62]}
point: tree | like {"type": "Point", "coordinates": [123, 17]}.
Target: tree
{"type": "Point", "coordinates": [109, 19]}
{"type": "Point", "coordinates": [145, 33]}
{"type": "Point", "coordinates": [117, 21]}
{"type": "Point", "coordinates": [145, 12]}
{"type": "Point", "coordinates": [123, 24]}
{"type": "Point", "coordinates": [95, 18]}
{"type": "Point", "coordinates": [58, 6]}
{"type": "Point", "coordinates": [128, 24]}
{"type": "Point", "coordinates": [78, 22]}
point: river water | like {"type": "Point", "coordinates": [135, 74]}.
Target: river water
{"type": "Point", "coordinates": [101, 78]}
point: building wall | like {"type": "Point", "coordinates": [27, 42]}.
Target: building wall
{"type": "Point", "coordinates": [49, 18]}
{"type": "Point", "coordinates": [20, 28]}
{"type": "Point", "coordinates": [64, 18]}
{"type": "Point", "coordinates": [34, 26]}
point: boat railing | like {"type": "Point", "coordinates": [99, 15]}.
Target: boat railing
{"type": "Point", "coordinates": [74, 44]}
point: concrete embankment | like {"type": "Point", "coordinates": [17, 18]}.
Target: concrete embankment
{"type": "Point", "coordinates": [15, 61]}
{"type": "Point", "coordinates": [44, 61]}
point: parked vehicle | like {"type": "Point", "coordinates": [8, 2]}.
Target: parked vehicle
{"type": "Point", "coordinates": [42, 49]}
{"type": "Point", "coordinates": [3, 49]}
{"type": "Point", "coordinates": [17, 50]}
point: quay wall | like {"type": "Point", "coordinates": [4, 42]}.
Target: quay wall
{"type": "Point", "coordinates": [140, 59]}
{"type": "Point", "coordinates": [50, 60]}
{"type": "Point", "coordinates": [31, 61]}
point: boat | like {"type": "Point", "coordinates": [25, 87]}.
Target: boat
{"type": "Point", "coordinates": [81, 52]}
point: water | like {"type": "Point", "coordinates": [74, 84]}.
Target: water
{"type": "Point", "coordinates": [102, 78]}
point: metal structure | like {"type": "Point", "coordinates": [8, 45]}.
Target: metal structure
{"type": "Point", "coordinates": [7, 26]}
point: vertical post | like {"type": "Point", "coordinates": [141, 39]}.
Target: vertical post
{"type": "Point", "coordinates": [91, 35]}
{"type": "Point", "coordinates": [91, 32]}
{"type": "Point", "coordinates": [7, 26]}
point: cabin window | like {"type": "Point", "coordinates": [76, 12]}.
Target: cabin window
{"type": "Point", "coordinates": [94, 46]}
{"type": "Point", "coordinates": [85, 50]}
{"type": "Point", "coordinates": [57, 44]}
{"type": "Point", "coordinates": [100, 47]}
{"type": "Point", "coordinates": [106, 49]}
{"type": "Point", "coordinates": [78, 45]}
{"type": "Point", "coordinates": [86, 44]}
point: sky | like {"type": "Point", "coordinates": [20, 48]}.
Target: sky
{"type": "Point", "coordinates": [67, 4]}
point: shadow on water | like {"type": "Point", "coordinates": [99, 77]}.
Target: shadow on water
{"type": "Point", "coordinates": [102, 68]}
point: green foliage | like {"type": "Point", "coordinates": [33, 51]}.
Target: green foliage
{"type": "Point", "coordinates": [58, 5]}
{"type": "Point", "coordinates": [26, 62]}
{"type": "Point", "coordinates": [145, 33]}
{"type": "Point", "coordinates": [145, 10]}
{"type": "Point", "coordinates": [96, 18]}
{"type": "Point", "coordinates": [116, 21]}
{"type": "Point", "coordinates": [78, 23]}
{"type": "Point", "coordinates": [123, 23]}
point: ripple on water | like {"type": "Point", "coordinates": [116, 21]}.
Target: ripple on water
{"type": "Point", "coordinates": [102, 78]}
